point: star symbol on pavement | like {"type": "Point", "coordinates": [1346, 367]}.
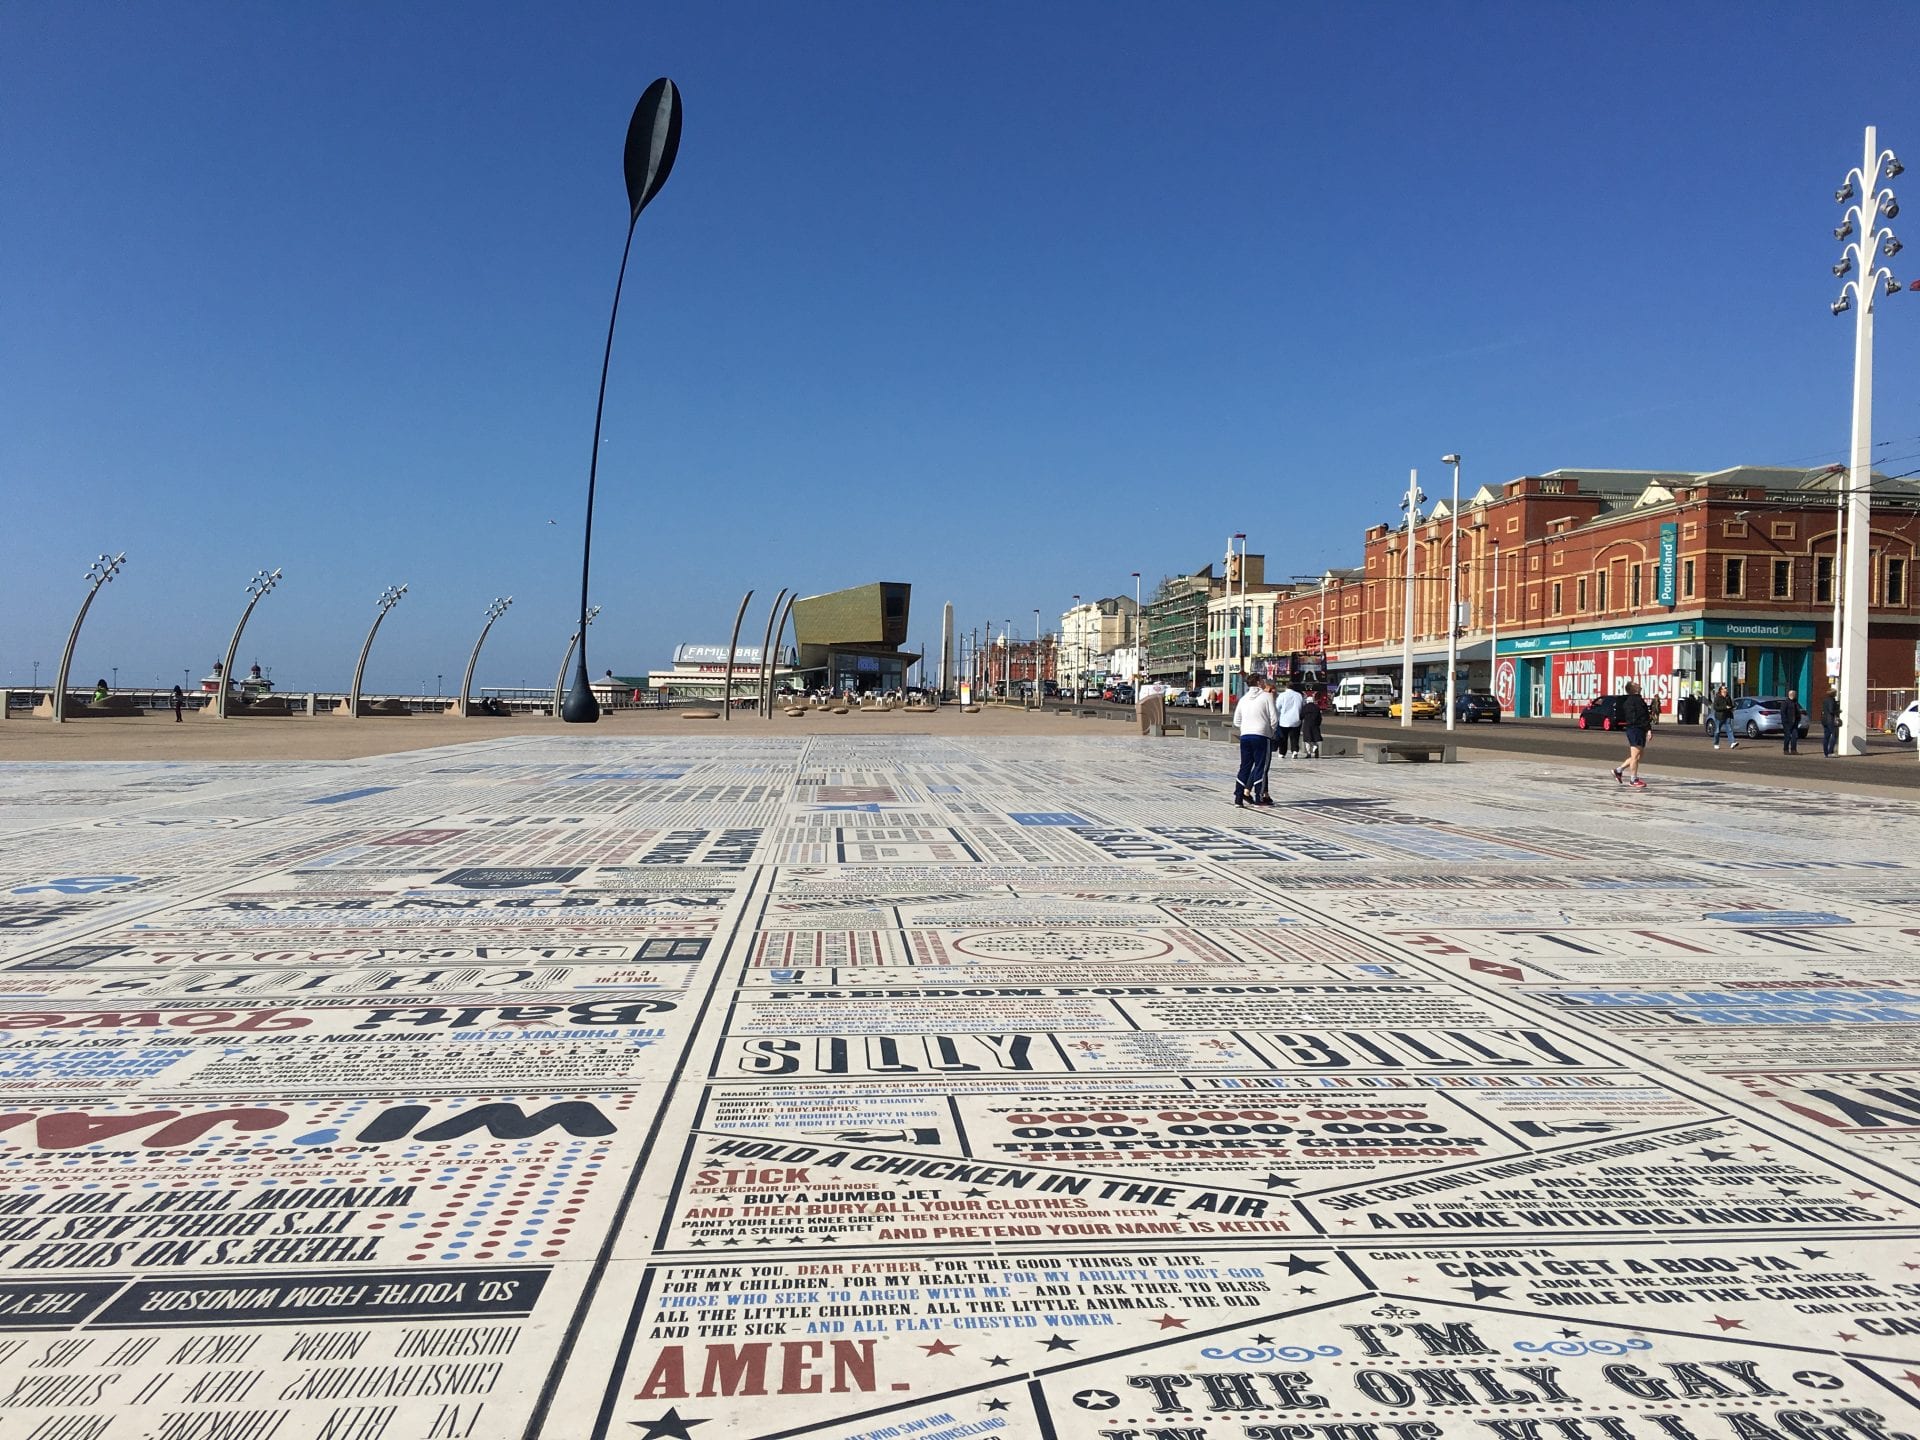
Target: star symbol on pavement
{"type": "Point", "coordinates": [1759, 1147]}
{"type": "Point", "coordinates": [1263, 1339]}
{"type": "Point", "coordinates": [1814, 1254]}
{"type": "Point", "coordinates": [1483, 1292]}
{"type": "Point", "coordinates": [996, 1404]}
{"type": "Point", "coordinates": [939, 1347]}
{"type": "Point", "coordinates": [1348, 1220]}
{"type": "Point", "coordinates": [1409, 1279]}
{"type": "Point", "coordinates": [1273, 1181]}
{"type": "Point", "coordinates": [1169, 1322]}
{"type": "Point", "coordinates": [1844, 1335]}
{"type": "Point", "coordinates": [1569, 1334]}
{"type": "Point", "coordinates": [670, 1426]}
{"type": "Point", "coordinates": [1715, 1154]}
{"type": "Point", "coordinates": [1304, 1290]}
{"type": "Point", "coordinates": [1300, 1265]}
{"type": "Point", "coordinates": [1909, 1265]}
{"type": "Point", "coordinates": [997, 1360]}
{"type": "Point", "coordinates": [1784, 1193]}
{"type": "Point", "coordinates": [1059, 1342]}
{"type": "Point", "coordinates": [764, 1240]}
{"type": "Point", "coordinates": [973, 1194]}
{"type": "Point", "coordinates": [1095, 1399]}
{"type": "Point", "coordinates": [1911, 1378]}
{"type": "Point", "coordinates": [697, 1244]}
{"type": "Point", "coordinates": [1863, 1194]}
{"type": "Point", "coordinates": [1725, 1324]}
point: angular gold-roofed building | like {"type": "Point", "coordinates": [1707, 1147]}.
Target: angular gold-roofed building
{"type": "Point", "coordinates": [852, 639]}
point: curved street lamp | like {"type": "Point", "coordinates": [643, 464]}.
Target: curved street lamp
{"type": "Point", "coordinates": [560, 680]}
{"type": "Point", "coordinates": [499, 607]}
{"type": "Point", "coordinates": [760, 686]}
{"type": "Point", "coordinates": [1860, 295]}
{"type": "Point", "coordinates": [653, 139]}
{"type": "Point", "coordinates": [101, 572]}
{"type": "Point", "coordinates": [389, 598]}
{"type": "Point", "coordinates": [779, 631]}
{"type": "Point", "coordinates": [258, 589]}
{"type": "Point", "coordinates": [733, 644]}
{"type": "Point", "coordinates": [1453, 588]}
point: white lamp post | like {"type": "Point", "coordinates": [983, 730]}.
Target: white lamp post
{"type": "Point", "coordinates": [1453, 586]}
{"type": "Point", "coordinates": [1860, 294]}
{"type": "Point", "coordinates": [1411, 504]}
{"type": "Point", "coordinates": [1139, 651]}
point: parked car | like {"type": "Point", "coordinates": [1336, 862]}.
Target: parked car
{"type": "Point", "coordinates": [1906, 724]}
{"type": "Point", "coordinates": [1476, 705]}
{"type": "Point", "coordinates": [1121, 694]}
{"type": "Point", "coordinates": [1425, 707]}
{"type": "Point", "coordinates": [1757, 715]}
{"type": "Point", "coordinates": [1364, 695]}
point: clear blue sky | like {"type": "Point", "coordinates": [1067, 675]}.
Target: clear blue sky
{"type": "Point", "coordinates": [1005, 300]}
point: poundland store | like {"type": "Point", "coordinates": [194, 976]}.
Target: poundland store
{"type": "Point", "coordinates": [1557, 674]}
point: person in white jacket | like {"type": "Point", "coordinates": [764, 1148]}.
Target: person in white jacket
{"type": "Point", "coordinates": [1253, 717]}
{"type": "Point", "coordinates": [1286, 707]}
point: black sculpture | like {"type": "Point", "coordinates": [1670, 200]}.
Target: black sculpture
{"type": "Point", "coordinates": [653, 139]}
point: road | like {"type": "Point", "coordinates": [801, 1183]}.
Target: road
{"type": "Point", "coordinates": [1886, 763]}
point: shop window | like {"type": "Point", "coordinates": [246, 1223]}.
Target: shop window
{"type": "Point", "coordinates": [1823, 579]}
{"type": "Point", "coordinates": [1556, 597]}
{"type": "Point", "coordinates": [1580, 594]}
{"type": "Point", "coordinates": [1736, 577]}
{"type": "Point", "coordinates": [1633, 583]}
{"type": "Point", "coordinates": [1686, 579]}
{"type": "Point", "coordinates": [1783, 579]}
{"type": "Point", "coordinates": [1896, 580]}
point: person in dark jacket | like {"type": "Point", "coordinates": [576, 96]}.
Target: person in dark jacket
{"type": "Point", "coordinates": [179, 703]}
{"type": "Point", "coordinates": [1723, 719]}
{"type": "Point", "coordinates": [1790, 717]}
{"type": "Point", "coordinates": [1310, 727]}
{"type": "Point", "coordinates": [1634, 718]}
{"type": "Point", "coordinates": [1830, 725]}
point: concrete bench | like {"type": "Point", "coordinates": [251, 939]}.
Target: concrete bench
{"type": "Point", "coordinates": [1415, 751]}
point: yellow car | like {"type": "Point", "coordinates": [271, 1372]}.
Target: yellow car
{"type": "Point", "coordinates": [1425, 707]}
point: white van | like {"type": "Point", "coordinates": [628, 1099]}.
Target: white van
{"type": "Point", "coordinates": [1364, 695]}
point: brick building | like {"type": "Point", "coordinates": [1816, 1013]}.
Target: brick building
{"type": "Point", "coordinates": [1572, 582]}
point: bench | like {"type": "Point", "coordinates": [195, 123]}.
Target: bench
{"type": "Point", "coordinates": [1415, 751]}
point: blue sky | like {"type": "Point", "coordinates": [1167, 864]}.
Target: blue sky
{"type": "Point", "coordinates": [1004, 300]}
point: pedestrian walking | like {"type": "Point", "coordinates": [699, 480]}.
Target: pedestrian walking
{"type": "Point", "coordinates": [1790, 717]}
{"type": "Point", "coordinates": [1286, 709]}
{"type": "Point", "coordinates": [1723, 719]}
{"type": "Point", "coordinates": [1635, 718]}
{"type": "Point", "coordinates": [1830, 725]}
{"type": "Point", "coordinates": [1309, 727]}
{"type": "Point", "coordinates": [179, 703]}
{"type": "Point", "coordinates": [1253, 717]}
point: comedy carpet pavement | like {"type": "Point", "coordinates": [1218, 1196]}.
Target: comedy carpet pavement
{"type": "Point", "coordinates": [880, 1087]}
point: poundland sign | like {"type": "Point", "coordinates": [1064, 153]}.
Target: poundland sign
{"type": "Point", "coordinates": [1666, 632]}
{"type": "Point", "coordinates": [1669, 556]}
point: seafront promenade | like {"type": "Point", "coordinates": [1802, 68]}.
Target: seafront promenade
{"type": "Point", "coordinates": [945, 1081]}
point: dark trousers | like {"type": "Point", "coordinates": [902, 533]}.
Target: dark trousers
{"type": "Point", "coordinates": [1289, 741]}
{"type": "Point", "coordinates": [1829, 737]}
{"type": "Point", "coordinates": [1254, 751]}
{"type": "Point", "coordinates": [1790, 739]}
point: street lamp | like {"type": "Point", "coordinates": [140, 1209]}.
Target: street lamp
{"type": "Point", "coordinates": [653, 139]}
{"type": "Point", "coordinates": [101, 572]}
{"type": "Point", "coordinates": [1078, 657]}
{"type": "Point", "coordinates": [1453, 586]}
{"type": "Point", "coordinates": [1410, 503]}
{"type": "Point", "coordinates": [258, 588]}
{"type": "Point", "coordinates": [1036, 659]}
{"type": "Point", "coordinates": [1139, 653]}
{"type": "Point", "coordinates": [389, 598]}
{"type": "Point", "coordinates": [499, 607]}
{"type": "Point", "coordinates": [1865, 289]}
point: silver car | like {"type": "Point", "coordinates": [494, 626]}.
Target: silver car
{"type": "Point", "coordinates": [1757, 715]}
